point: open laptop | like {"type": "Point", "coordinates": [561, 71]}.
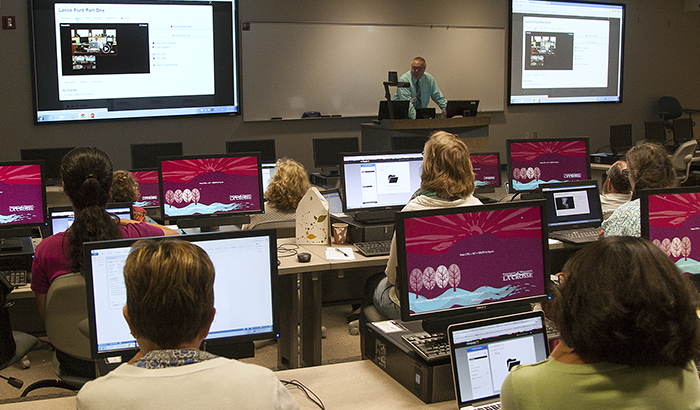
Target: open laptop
{"type": "Point", "coordinates": [484, 351]}
{"type": "Point", "coordinates": [574, 211]}
{"type": "Point", "coordinates": [335, 204]}
{"type": "Point", "coordinates": [62, 217]}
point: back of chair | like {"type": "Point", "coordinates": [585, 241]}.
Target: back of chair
{"type": "Point", "coordinates": [669, 108]}
{"type": "Point", "coordinates": [286, 228]}
{"type": "Point", "coordinates": [679, 157]}
{"type": "Point", "coordinates": [66, 307]}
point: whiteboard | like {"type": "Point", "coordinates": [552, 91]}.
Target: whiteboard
{"type": "Point", "coordinates": [338, 69]}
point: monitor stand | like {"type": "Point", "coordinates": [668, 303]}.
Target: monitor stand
{"type": "Point", "coordinates": [439, 325]}
{"type": "Point", "coordinates": [526, 196]}
{"type": "Point", "coordinates": [375, 217]}
{"type": "Point", "coordinates": [214, 223]}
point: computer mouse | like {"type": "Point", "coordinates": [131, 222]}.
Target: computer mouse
{"type": "Point", "coordinates": [304, 257]}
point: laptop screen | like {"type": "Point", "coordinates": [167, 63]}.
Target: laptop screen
{"type": "Point", "coordinates": [62, 217]}
{"type": "Point", "coordinates": [671, 220]}
{"type": "Point", "coordinates": [572, 205]}
{"type": "Point", "coordinates": [484, 351]}
{"type": "Point", "coordinates": [335, 204]}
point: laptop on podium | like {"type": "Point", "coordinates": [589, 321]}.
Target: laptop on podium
{"type": "Point", "coordinates": [484, 351]}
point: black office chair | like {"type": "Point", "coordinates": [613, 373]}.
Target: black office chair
{"type": "Point", "coordinates": [670, 109]}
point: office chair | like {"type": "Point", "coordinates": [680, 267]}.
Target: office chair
{"type": "Point", "coordinates": [67, 329]}
{"type": "Point", "coordinates": [670, 109]}
{"type": "Point", "coordinates": [683, 158]}
{"type": "Point", "coordinates": [286, 228]}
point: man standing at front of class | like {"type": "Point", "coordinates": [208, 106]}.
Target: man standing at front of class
{"type": "Point", "coordinates": [423, 88]}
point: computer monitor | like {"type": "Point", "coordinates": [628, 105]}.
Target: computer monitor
{"type": "Point", "coordinates": [22, 195]}
{"type": "Point", "coordinates": [459, 264]}
{"type": "Point", "coordinates": [245, 289]}
{"type": "Point", "coordinates": [375, 185]}
{"type": "Point", "coordinates": [532, 162]}
{"type": "Point", "coordinates": [682, 130]}
{"type": "Point", "coordinates": [62, 217]}
{"type": "Point", "coordinates": [210, 190]}
{"type": "Point", "coordinates": [52, 158]}
{"type": "Point", "coordinates": [670, 218]}
{"type": "Point", "coordinates": [655, 131]}
{"type": "Point", "coordinates": [335, 203]}
{"type": "Point", "coordinates": [327, 152]}
{"type": "Point", "coordinates": [398, 107]}
{"type": "Point", "coordinates": [408, 143]}
{"type": "Point", "coordinates": [268, 171]}
{"type": "Point", "coordinates": [266, 148]}
{"type": "Point", "coordinates": [487, 171]}
{"type": "Point", "coordinates": [145, 156]}
{"type": "Point", "coordinates": [147, 180]}
{"type": "Point", "coordinates": [620, 138]}
{"type": "Point", "coordinates": [461, 108]}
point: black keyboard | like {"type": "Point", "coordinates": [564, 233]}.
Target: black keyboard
{"type": "Point", "coordinates": [429, 346]}
{"type": "Point", "coordinates": [374, 248]}
{"type": "Point", "coordinates": [16, 277]}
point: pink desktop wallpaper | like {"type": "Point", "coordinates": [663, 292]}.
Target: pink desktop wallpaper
{"type": "Point", "coordinates": [539, 162]}
{"type": "Point", "coordinates": [20, 194]}
{"type": "Point", "coordinates": [674, 226]}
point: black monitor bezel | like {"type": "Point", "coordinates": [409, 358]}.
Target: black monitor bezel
{"type": "Point", "coordinates": [153, 147]}
{"type": "Point", "coordinates": [343, 191]}
{"type": "Point", "coordinates": [44, 213]}
{"type": "Point", "coordinates": [87, 273]}
{"type": "Point", "coordinates": [616, 136]}
{"type": "Point", "coordinates": [495, 308]}
{"type": "Point", "coordinates": [317, 146]}
{"type": "Point", "coordinates": [644, 203]}
{"type": "Point", "coordinates": [64, 150]}
{"type": "Point", "coordinates": [266, 148]}
{"type": "Point", "coordinates": [209, 219]}
{"type": "Point", "coordinates": [458, 107]}
{"type": "Point", "coordinates": [509, 163]}
{"type": "Point", "coordinates": [482, 188]}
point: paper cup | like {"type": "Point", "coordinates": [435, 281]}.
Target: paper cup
{"type": "Point", "coordinates": [340, 233]}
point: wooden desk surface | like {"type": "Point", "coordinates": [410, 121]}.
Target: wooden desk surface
{"type": "Point", "coordinates": [433, 123]}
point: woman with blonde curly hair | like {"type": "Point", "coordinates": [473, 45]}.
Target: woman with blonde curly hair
{"type": "Point", "coordinates": [126, 189]}
{"type": "Point", "coordinates": [447, 181]}
{"type": "Point", "coordinates": [287, 186]}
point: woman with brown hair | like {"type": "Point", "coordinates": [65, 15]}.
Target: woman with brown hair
{"type": "Point", "coordinates": [447, 181]}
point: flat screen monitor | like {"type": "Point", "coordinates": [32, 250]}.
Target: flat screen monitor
{"type": "Point", "coordinates": [268, 171]}
{"type": "Point", "coordinates": [145, 156]}
{"type": "Point", "coordinates": [380, 181]}
{"type": "Point", "coordinates": [682, 130]}
{"type": "Point", "coordinates": [327, 151]}
{"type": "Point", "coordinates": [266, 148]}
{"type": "Point", "coordinates": [209, 186]}
{"type": "Point", "coordinates": [565, 52]}
{"type": "Point", "coordinates": [22, 194]}
{"type": "Point", "coordinates": [52, 158]}
{"type": "Point", "coordinates": [335, 203]}
{"type": "Point", "coordinates": [487, 171]}
{"type": "Point", "coordinates": [122, 59]}
{"type": "Point", "coordinates": [532, 162]}
{"type": "Point", "coordinates": [62, 217]}
{"type": "Point", "coordinates": [147, 179]}
{"type": "Point", "coordinates": [620, 138]}
{"type": "Point", "coordinates": [245, 289]}
{"type": "Point", "coordinates": [399, 108]}
{"type": "Point", "coordinates": [461, 108]}
{"type": "Point", "coordinates": [454, 263]}
{"type": "Point", "coordinates": [655, 131]}
{"type": "Point", "coordinates": [670, 219]}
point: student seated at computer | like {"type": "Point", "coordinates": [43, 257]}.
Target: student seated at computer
{"type": "Point", "coordinates": [169, 309]}
{"type": "Point", "coordinates": [447, 180]}
{"type": "Point", "coordinates": [86, 174]}
{"type": "Point", "coordinates": [287, 186]}
{"type": "Point", "coordinates": [616, 188]}
{"type": "Point", "coordinates": [629, 327]}
{"type": "Point", "coordinates": [649, 167]}
{"type": "Point", "coordinates": [126, 189]}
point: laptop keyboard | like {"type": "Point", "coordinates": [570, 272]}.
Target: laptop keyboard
{"type": "Point", "coordinates": [374, 248]}
{"type": "Point", "coordinates": [492, 406]}
{"type": "Point", "coordinates": [578, 233]}
{"type": "Point", "coordinates": [16, 277]}
{"type": "Point", "coordinates": [429, 346]}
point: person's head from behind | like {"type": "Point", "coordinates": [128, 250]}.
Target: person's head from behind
{"type": "Point", "coordinates": [447, 170]}
{"type": "Point", "coordinates": [649, 167]}
{"type": "Point", "coordinates": [618, 180]}
{"type": "Point", "coordinates": [624, 301]}
{"type": "Point", "coordinates": [169, 293]}
{"type": "Point", "coordinates": [124, 187]}
{"type": "Point", "coordinates": [418, 66]}
{"type": "Point", "coordinates": [86, 173]}
{"type": "Point", "coordinates": [288, 185]}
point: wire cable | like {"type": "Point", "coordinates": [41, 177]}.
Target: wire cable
{"type": "Point", "coordinates": [296, 383]}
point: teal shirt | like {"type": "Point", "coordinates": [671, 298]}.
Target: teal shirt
{"type": "Point", "coordinates": [428, 89]}
{"type": "Point", "coordinates": [625, 221]}
{"type": "Point", "coordinates": [558, 386]}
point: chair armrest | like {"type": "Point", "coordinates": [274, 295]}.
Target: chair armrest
{"type": "Point", "coordinates": [84, 328]}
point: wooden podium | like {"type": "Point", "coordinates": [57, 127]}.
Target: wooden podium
{"type": "Point", "coordinates": [399, 135]}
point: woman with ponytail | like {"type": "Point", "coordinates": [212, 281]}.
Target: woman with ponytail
{"type": "Point", "coordinates": [86, 174]}
{"type": "Point", "coordinates": [649, 167]}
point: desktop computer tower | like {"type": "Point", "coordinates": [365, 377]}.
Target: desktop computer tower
{"type": "Point", "coordinates": [431, 382]}
{"type": "Point", "coordinates": [325, 181]}
{"type": "Point", "coordinates": [364, 232]}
